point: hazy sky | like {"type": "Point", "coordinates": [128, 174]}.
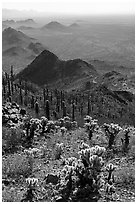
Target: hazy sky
{"type": "Point", "coordinates": [76, 7]}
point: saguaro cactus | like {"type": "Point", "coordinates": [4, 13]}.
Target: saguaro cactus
{"type": "Point", "coordinates": [73, 111]}
{"type": "Point", "coordinates": [21, 97]}
{"type": "Point", "coordinates": [47, 110]}
{"type": "Point", "coordinates": [32, 102]}
{"type": "Point", "coordinates": [64, 109]}
{"type": "Point", "coordinates": [88, 111]}
{"type": "Point", "coordinates": [44, 95]}
{"type": "Point", "coordinates": [26, 88]}
{"type": "Point", "coordinates": [37, 108]}
{"type": "Point", "coordinates": [9, 87]}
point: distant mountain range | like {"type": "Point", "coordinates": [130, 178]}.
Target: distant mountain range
{"type": "Point", "coordinates": [48, 68]}
{"type": "Point", "coordinates": [18, 49]}
{"type": "Point", "coordinates": [23, 22]}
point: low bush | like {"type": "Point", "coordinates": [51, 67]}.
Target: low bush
{"type": "Point", "coordinates": [125, 177]}
{"type": "Point", "coordinates": [12, 138]}
{"type": "Point", "coordinates": [15, 165]}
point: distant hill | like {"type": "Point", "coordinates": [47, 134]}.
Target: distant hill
{"type": "Point", "coordinates": [54, 25]}
{"type": "Point", "coordinates": [18, 49]}
{"type": "Point", "coordinates": [74, 25]}
{"type": "Point", "coordinates": [48, 68]}
{"type": "Point", "coordinates": [11, 36]}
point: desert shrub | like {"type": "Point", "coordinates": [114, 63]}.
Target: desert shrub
{"type": "Point", "coordinates": [12, 138]}
{"type": "Point", "coordinates": [16, 165]}
{"type": "Point", "coordinates": [125, 177]}
{"type": "Point", "coordinates": [11, 195]}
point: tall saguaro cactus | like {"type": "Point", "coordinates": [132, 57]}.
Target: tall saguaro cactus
{"type": "Point", "coordinates": [73, 111]}
{"type": "Point", "coordinates": [44, 96]}
{"type": "Point", "coordinates": [88, 111]}
{"type": "Point", "coordinates": [9, 87]}
{"type": "Point", "coordinates": [12, 78]}
{"type": "Point", "coordinates": [64, 108]}
{"type": "Point", "coordinates": [37, 108]}
{"type": "Point", "coordinates": [47, 110]}
{"type": "Point", "coordinates": [21, 97]}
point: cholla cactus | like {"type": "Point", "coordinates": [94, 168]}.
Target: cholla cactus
{"type": "Point", "coordinates": [44, 121]}
{"type": "Point", "coordinates": [112, 131]}
{"type": "Point", "coordinates": [32, 152]}
{"type": "Point", "coordinates": [84, 146]}
{"type": "Point", "coordinates": [110, 188]}
{"type": "Point", "coordinates": [31, 182]}
{"type": "Point", "coordinates": [63, 130]}
{"type": "Point", "coordinates": [59, 150]}
{"type": "Point", "coordinates": [110, 168]}
{"type": "Point", "coordinates": [74, 124]}
{"type": "Point", "coordinates": [126, 138]}
{"type": "Point", "coordinates": [90, 125]}
{"type": "Point", "coordinates": [110, 179]}
{"type": "Point", "coordinates": [31, 189]}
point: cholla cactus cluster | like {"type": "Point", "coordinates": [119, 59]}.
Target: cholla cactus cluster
{"type": "Point", "coordinates": [112, 131]}
{"type": "Point", "coordinates": [63, 130]}
{"type": "Point", "coordinates": [44, 122]}
{"type": "Point", "coordinates": [92, 156]}
{"type": "Point", "coordinates": [83, 175]}
{"type": "Point", "coordinates": [59, 150]}
{"type": "Point", "coordinates": [35, 123]}
{"type": "Point", "coordinates": [91, 125]}
{"type": "Point", "coordinates": [67, 123]}
{"type": "Point", "coordinates": [32, 152]}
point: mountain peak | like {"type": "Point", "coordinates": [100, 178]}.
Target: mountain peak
{"type": "Point", "coordinates": [47, 67]}
{"type": "Point", "coordinates": [54, 25]}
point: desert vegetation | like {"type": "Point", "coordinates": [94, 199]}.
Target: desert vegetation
{"type": "Point", "coordinates": [62, 146]}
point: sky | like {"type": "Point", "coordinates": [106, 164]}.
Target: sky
{"type": "Point", "coordinates": [77, 7]}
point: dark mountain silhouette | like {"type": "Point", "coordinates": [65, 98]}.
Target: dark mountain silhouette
{"type": "Point", "coordinates": [48, 68]}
